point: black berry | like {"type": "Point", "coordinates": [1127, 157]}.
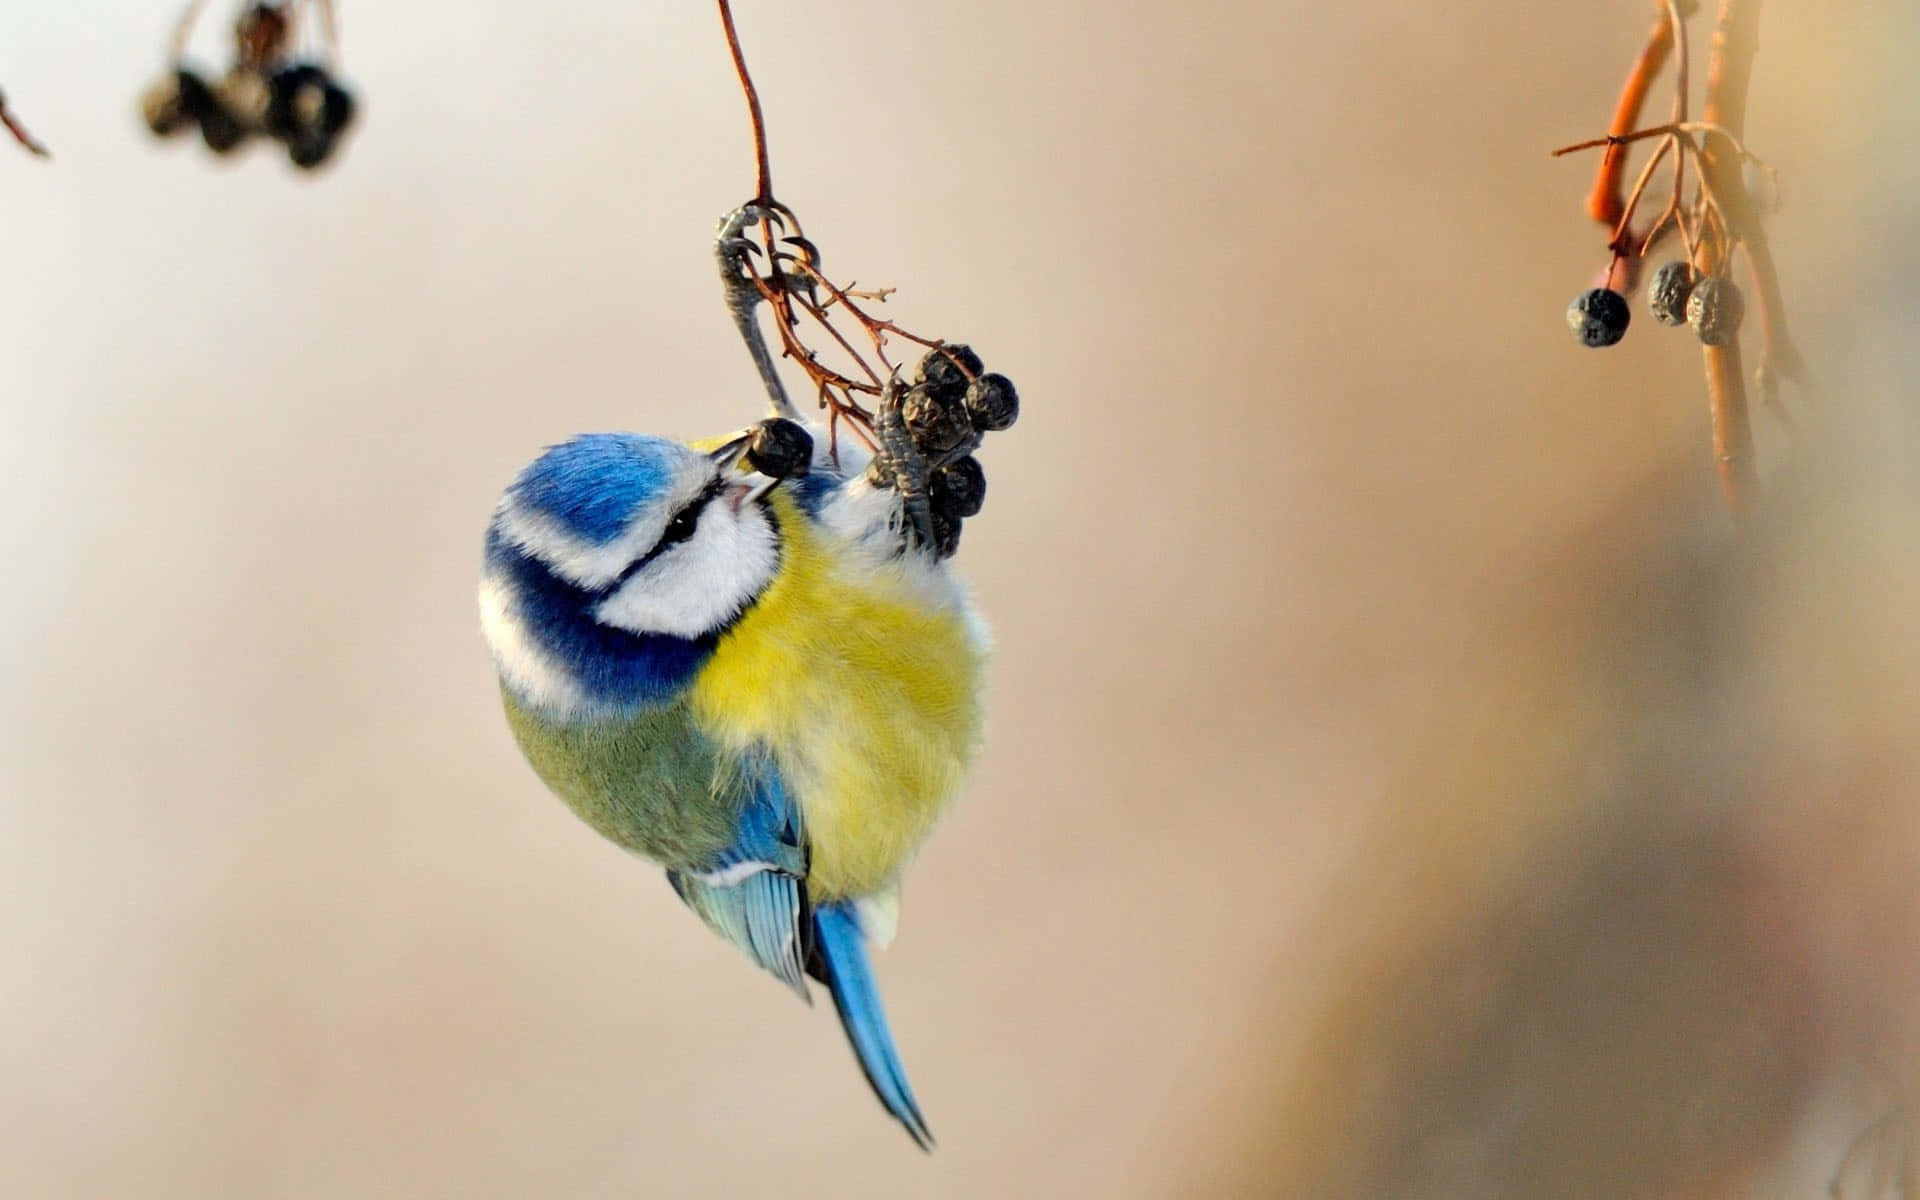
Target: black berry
{"type": "Point", "coordinates": [296, 95]}
{"type": "Point", "coordinates": [936, 425]}
{"type": "Point", "coordinates": [307, 111]}
{"type": "Point", "coordinates": [196, 98]}
{"type": "Point", "coordinates": [1667, 292]}
{"type": "Point", "coordinates": [942, 374]}
{"type": "Point", "coordinates": [1714, 310]}
{"type": "Point", "coordinates": [246, 94]}
{"type": "Point", "coordinates": [1598, 317]}
{"type": "Point", "coordinates": [959, 488]}
{"type": "Point", "coordinates": [164, 109]}
{"type": "Point", "coordinates": [946, 533]}
{"type": "Point", "coordinates": [992, 404]}
{"type": "Point", "coordinates": [780, 448]}
{"type": "Point", "coordinates": [336, 112]}
{"type": "Point", "coordinates": [221, 130]}
{"type": "Point", "coordinates": [309, 150]}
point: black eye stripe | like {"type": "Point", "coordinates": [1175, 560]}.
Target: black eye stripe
{"type": "Point", "coordinates": [681, 526]}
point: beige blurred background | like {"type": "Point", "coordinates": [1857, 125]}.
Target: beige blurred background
{"type": "Point", "coordinates": [1397, 783]}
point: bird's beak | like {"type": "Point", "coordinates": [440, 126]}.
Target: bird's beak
{"type": "Point", "coordinates": [728, 451]}
{"type": "Point", "coordinates": [742, 494]}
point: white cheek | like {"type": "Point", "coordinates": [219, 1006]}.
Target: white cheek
{"type": "Point", "coordinates": [578, 561]}
{"type": "Point", "coordinates": [702, 584]}
{"type": "Point", "coordinates": [531, 675]}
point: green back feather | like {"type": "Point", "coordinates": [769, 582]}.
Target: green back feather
{"type": "Point", "coordinates": [649, 782]}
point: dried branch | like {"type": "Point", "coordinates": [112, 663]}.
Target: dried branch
{"type": "Point", "coordinates": [779, 266]}
{"type": "Point", "coordinates": [763, 171]}
{"type": "Point", "coordinates": [20, 132]}
{"type": "Point", "coordinates": [1717, 220]}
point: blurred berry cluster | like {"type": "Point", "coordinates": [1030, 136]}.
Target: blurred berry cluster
{"type": "Point", "coordinates": [1711, 307]}
{"type": "Point", "coordinates": [952, 403]}
{"type": "Point", "coordinates": [265, 93]}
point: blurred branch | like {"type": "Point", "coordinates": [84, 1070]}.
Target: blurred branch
{"type": "Point", "coordinates": [1718, 222]}
{"type": "Point", "coordinates": [1736, 37]}
{"type": "Point", "coordinates": [20, 132]}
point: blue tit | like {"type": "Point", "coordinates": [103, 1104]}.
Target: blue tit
{"type": "Point", "coordinates": [762, 685]}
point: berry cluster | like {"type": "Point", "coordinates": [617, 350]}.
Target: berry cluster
{"type": "Point", "coordinates": [945, 413]}
{"type": "Point", "coordinates": [264, 93]}
{"type": "Point", "coordinates": [1712, 307]}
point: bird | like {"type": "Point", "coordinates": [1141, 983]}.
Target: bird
{"type": "Point", "coordinates": [763, 683]}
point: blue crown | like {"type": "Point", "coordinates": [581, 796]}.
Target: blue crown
{"type": "Point", "coordinates": [594, 484]}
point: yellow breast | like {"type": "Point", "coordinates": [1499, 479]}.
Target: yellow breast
{"type": "Point", "coordinates": [866, 691]}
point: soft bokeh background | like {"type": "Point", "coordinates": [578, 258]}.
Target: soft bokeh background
{"type": "Point", "coordinates": [1398, 784]}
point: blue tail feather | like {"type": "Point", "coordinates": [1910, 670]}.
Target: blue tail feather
{"type": "Point", "coordinates": [839, 960]}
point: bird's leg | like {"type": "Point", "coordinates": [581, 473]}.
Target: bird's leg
{"type": "Point", "coordinates": [902, 465]}
{"type": "Point", "coordinates": [743, 294]}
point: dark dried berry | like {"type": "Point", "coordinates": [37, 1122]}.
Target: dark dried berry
{"type": "Point", "coordinates": [936, 425]}
{"type": "Point", "coordinates": [307, 111]}
{"type": "Point", "coordinates": [959, 488]}
{"type": "Point", "coordinates": [296, 93]}
{"type": "Point", "coordinates": [780, 448]}
{"type": "Point", "coordinates": [1598, 317]}
{"type": "Point", "coordinates": [308, 151]}
{"type": "Point", "coordinates": [1667, 292]}
{"type": "Point", "coordinates": [940, 372]}
{"type": "Point", "coordinates": [336, 111]}
{"type": "Point", "coordinates": [946, 533]}
{"type": "Point", "coordinates": [1714, 310]}
{"type": "Point", "coordinates": [221, 130]}
{"type": "Point", "coordinates": [306, 102]}
{"type": "Point", "coordinates": [992, 403]}
{"type": "Point", "coordinates": [246, 94]}
{"type": "Point", "coordinates": [164, 109]}
{"type": "Point", "coordinates": [196, 98]}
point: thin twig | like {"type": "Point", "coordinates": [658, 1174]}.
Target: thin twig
{"type": "Point", "coordinates": [763, 171]}
{"type": "Point", "coordinates": [1678, 24]}
{"type": "Point", "coordinates": [183, 29]}
{"type": "Point", "coordinates": [1653, 131]}
{"type": "Point", "coordinates": [1618, 242]}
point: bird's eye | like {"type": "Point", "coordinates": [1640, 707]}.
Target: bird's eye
{"type": "Point", "coordinates": [682, 527]}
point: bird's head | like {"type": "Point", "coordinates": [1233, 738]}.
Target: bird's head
{"type": "Point", "coordinates": [613, 565]}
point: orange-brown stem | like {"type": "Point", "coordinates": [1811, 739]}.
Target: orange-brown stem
{"type": "Point", "coordinates": [1605, 201]}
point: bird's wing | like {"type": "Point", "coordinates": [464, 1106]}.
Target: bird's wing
{"type": "Point", "coordinates": [753, 893]}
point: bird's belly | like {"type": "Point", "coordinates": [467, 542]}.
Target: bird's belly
{"type": "Point", "coordinates": [645, 782]}
{"type": "Point", "coordinates": [868, 699]}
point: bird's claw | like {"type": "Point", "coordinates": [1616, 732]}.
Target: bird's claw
{"type": "Point", "coordinates": [741, 285]}
{"type": "Point", "coordinates": [904, 467]}
{"type": "Point", "coordinates": [752, 213]}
